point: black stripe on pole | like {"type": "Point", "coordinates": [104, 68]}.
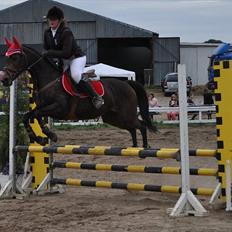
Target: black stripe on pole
{"type": "Point", "coordinates": [192, 152]}
{"type": "Point", "coordinates": [119, 168]}
{"type": "Point", "coordinates": [153, 188]}
{"type": "Point", "coordinates": [88, 166]}
{"type": "Point", "coordinates": [153, 169]}
{"type": "Point", "coordinates": [148, 153]}
{"type": "Point", "coordinates": [119, 185]}
{"type": "Point", "coordinates": [81, 150]}
{"type": "Point", "coordinates": [60, 164]}
{"type": "Point", "coordinates": [114, 151]}
{"type": "Point", "coordinates": [88, 183]}
{"type": "Point", "coordinates": [50, 149]}
{"type": "Point", "coordinates": [193, 171]}
{"type": "Point", "coordinates": [194, 191]}
{"type": "Point", "coordinates": [55, 181]}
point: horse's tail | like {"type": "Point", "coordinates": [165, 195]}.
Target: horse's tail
{"type": "Point", "coordinates": [143, 104]}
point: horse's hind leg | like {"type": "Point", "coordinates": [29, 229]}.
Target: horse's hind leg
{"type": "Point", "coordinates": [143, 130]}
{"type": "Point", "coordinates": [134, 137]}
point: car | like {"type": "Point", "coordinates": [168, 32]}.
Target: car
{"type": "Point", "coordinates": [169, 83]}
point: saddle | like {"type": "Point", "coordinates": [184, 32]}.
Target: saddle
{"type": "Point", "coordinates": [74, 89]}
{"type": "Point", "coordinates": [89, 74]}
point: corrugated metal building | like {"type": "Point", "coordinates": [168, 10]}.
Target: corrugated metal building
{"type": "Point", "coordinates": [103, 39]}
{"type": "Point", "coordinates": [195, 56]}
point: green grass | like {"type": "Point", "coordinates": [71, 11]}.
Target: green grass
{"type": "Point", "coordinates": [86, 127]}
{"type": "Point", "coordinates": [159, 125]}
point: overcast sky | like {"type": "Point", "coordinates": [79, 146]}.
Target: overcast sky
{"type": "Point", "coordinates": [191, 20]}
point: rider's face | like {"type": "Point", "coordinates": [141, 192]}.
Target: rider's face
{"type": "Point", "coordinates": [53, 23]}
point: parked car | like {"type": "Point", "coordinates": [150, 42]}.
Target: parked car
{"type": "Point", "coordinates": [169, 83]}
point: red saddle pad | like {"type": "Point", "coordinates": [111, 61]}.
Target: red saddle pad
{"type": "Point", "coordinates": [97, 85]}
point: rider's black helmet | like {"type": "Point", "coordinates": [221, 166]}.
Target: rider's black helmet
{"type": "Point", "coordinates": [55, 13]}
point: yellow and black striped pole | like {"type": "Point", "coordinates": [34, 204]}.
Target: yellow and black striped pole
{"type": "Point", "coordinates": [117, 151]}
{"type": "Point", "coordinates": [130, 186]}
{"type": "Point", "coordinates": [223, 96]}
{"type": "Point", "coordinates": [39, 161]}
{"type": "Point", "coordinates": [134, 168]}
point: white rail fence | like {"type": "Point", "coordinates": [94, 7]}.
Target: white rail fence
{"type": "Point", "coordinates": [200, 112]}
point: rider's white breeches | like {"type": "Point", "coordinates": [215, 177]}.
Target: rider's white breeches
{"type": "Point", "coordinates": [77, 68]}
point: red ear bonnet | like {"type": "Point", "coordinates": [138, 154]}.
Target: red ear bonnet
{"type": "Point", "coordinates": [14, 47]}
{"type": "Point", "coordinates": [8, 42]}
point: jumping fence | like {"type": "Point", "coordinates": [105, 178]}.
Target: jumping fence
{"type": "Point", "coordinates": [42, 165]}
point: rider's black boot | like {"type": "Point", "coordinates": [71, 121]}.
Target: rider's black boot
{"type": "Point", "coordinates": [96, 99]}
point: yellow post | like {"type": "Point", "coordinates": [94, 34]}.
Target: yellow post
{"type": "Point", "coordinates": [223, 96]}
{"type": "Point", "coordinates": [39, 161]}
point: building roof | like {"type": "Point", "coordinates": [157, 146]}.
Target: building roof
{"type": "Point", "coordinates": [187, 44]}
{"type": "Point", "coordinates": [37, 9]}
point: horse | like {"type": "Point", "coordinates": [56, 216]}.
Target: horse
{"type": "Point", "coordinates": [121, 98]}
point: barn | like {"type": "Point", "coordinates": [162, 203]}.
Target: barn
{"type": "Point", "coordinates": [196, 58]}
{"type": "Point", "coordinates": [104, 40]}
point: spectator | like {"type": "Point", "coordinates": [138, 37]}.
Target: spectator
{"type": "Point", "coordinates": [153, 102]}
{"type": "Point", "coordinates": [190, 103]}
{"type": "Point", "coordinates": [208, 100]}
{"type": "Point", "coordinates": [173, 103]}
{"type": "Point", "coordinates": [208, 97]}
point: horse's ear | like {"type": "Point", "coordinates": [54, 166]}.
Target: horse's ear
{"type": "Point", "coordinates": [17, 43]}
{"type": "Point", "coordinates": [7, 42]}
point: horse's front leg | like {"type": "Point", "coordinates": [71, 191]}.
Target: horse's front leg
{"type": "Point", "coordinates": [33, 137]}
{"type": "Point", "coordinates": [54, 110]}
{"type": "Point", "coordinates": [45, 129]}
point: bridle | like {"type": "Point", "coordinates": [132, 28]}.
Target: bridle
{"type": "Point", "coordinates": [12, 75]}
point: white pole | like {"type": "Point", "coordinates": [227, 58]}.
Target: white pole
{"type": "Point", "coordinates": [183, 114]}
{"type": "Point", "coordinates": [12, 132]}
{"type": "Point", "coordinates": [187, 203]}
{"type": "Point", "coordinates": [10, 187]}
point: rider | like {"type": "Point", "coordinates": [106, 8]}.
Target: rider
{"type": "Point", "coordinates": [60, 44]}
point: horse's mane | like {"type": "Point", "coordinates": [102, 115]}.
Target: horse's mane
{"type": "Point", "coordinates": [49, 61]}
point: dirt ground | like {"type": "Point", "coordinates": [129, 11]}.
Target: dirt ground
{"type": "Point", "coordinates": [92, 209]}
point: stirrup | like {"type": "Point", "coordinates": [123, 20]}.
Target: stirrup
{"type": "Point", "coordinates": [98, 102]}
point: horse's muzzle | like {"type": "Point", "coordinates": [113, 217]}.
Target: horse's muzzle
{"type": "Point", "coordinates": [4, 79]}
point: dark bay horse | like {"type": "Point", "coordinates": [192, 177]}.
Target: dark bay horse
{"type": "Point", "coordinates": [121, 97]}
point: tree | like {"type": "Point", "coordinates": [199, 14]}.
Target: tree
{"type": "Point", "coordinates": [21, 138]}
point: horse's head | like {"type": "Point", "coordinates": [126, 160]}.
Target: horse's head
{"type": "Point", "coordinates": [16, 62]}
